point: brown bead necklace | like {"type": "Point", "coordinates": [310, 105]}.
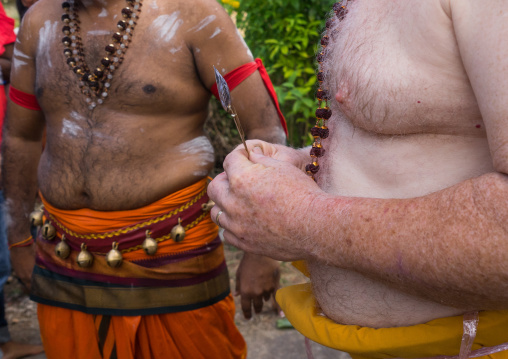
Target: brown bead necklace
{"type": "Point", "coordinates": [323, 113]}
{"type": "Point", "coordinates": [95, 84]}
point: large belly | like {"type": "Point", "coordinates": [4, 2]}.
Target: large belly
{"type": "Point", "coordinates": [361, 164]}
{"type": "Point", "coordinates": [350, 298]}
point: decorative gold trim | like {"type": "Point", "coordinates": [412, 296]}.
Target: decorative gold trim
{"type": "Point", "coordinates": [137, 226]}
{"type": "Point", "coordinates": [168, 236]}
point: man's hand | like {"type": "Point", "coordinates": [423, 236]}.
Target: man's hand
{"type": "Point", "coordinates": [257, 279]}
{"type": "Point", "coordinates": [297, 158]}
{"type": "Point", "coordinates": [23, 261]}
{"type": "Point", "coordinates": [264, 201]}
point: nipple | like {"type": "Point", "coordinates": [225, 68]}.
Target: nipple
{"type": "Point", "coordinates": [340, 96]}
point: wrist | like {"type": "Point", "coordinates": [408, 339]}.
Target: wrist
{"type": "Point", "coordinates": [24, 243]}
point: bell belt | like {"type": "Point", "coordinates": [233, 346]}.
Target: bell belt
{"type": "Point", "coordinates": [130, 238]}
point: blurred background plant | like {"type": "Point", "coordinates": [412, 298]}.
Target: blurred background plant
{"type": "Point", "coordinates": [285, 34]}
{"type": "Point", "coordinates": [10, 10]}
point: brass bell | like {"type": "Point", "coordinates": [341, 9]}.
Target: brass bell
{"type": "Point", "coordinates": [178, 232]}
{"type": "Point", "coordinates": [62, 249]}
{"type": "Point", "coordinates": [149, 245]}
{"type": "Point", "coordinates": [207, 207]}
{"type": "Point", "coordinates": [114, 256]}
{"type": "Point", "coordinates": [48, 231]}
{"type": "Point", "coordinates": [36, 218]}
{"type": "Point", "coordinates": [85, 258]}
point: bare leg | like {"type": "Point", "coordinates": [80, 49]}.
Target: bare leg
{"type": "Point", "coordinates": [14, 350]}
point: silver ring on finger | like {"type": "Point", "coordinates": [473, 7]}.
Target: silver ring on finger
{"type": "Point", "coordinates": [217, 220]}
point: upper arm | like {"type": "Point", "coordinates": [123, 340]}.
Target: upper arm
{"type": "Point", "coordinates": [215, 41]}
{"type": "Point", "coordinates": [482, 36]}
{"type": "Point", "coordinates": [21, 122]}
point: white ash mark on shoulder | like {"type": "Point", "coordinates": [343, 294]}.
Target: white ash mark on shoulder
{"type": "Point", "coordinates": [216, 32]}
{"type": "Point", "coordinates": [47, 36]}
{"type": "Point", "coordinates": [20, 54]}
{"type": "Point", "coordinates": [244, 43]}
{"type": "Point", "coordinates": [103, 13]}
{"type": "Point", "coordinates": [19, 59]}
{"type": "Point", "coordinates": [203, 23]}
{"type": "Point", "coordinates": [166, 26]}
{"type": "Point", "coordinates": [154, 5]}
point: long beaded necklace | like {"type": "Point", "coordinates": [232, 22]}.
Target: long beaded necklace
{"type": "Point", "coordinates": [320, 131]}
{"type": "Point", "coordinates": [95, 84]}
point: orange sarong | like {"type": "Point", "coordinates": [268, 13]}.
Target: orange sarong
{"type": "Point", "coordinates": [80, 326]}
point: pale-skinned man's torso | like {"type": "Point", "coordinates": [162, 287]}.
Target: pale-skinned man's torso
{"type": "Point", "coordinates": [405, 124]}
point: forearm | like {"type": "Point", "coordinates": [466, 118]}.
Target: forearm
{"type": "Point", "coordinates": [19, 177]}
{"type": "Point", "coordinates": [274, 134]}
{"type": "Point", "coordinates": [449, 246]}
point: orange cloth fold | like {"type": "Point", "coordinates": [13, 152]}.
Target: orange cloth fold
{"type": "Point", "coordinates": [204, 333]}
{"type": "Point", "coordinates": [86, 221]}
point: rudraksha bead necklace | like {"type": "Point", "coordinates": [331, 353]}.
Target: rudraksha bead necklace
{"type": "Point", "coordinates": [95, 84]}
{"type": "Point", "coordinates": [323, 113]}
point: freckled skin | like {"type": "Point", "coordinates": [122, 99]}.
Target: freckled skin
{"type": "Point", "coordinates": [408, 219]}
{"type": "Point", "coordinates": [126, 154]}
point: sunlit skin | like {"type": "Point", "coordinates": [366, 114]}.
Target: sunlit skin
{"type": "Point", "coordinates": [408, 219]}
{"type": "Point", "coordinates": [146, 141]}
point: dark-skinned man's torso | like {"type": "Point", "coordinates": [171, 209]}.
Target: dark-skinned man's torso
{"type": "Point", "coordinates": [147, 139]}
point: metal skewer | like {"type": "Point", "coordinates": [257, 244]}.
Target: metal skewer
{"type": "Point", "coordinates": [225, 100]}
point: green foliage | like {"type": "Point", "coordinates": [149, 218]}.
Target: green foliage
{"type": "Point", "coordinates": [285, 34]}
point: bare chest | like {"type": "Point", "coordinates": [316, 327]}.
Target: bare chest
{"type": "Point", "coordinates": [153, 74]}
{"type": "Point", "coordinates": [394, 68]}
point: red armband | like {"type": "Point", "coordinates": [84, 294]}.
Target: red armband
{"type": "Point", "coordinates": [24, 99]}
{"type": "Point", "coordinates": [238, 75]}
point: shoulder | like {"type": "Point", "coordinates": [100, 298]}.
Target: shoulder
{"type": "Point", "coordinates": [41, 12]}
{"type": "Point", "coordinates": [44, 14]}
{"type": "Point", "coordinates": [192, 14]}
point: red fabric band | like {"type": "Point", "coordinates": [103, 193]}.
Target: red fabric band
{"type": "Point", "coordinates": [24, 99]}
{"type": "Point", "coordinates": [238, 75]}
